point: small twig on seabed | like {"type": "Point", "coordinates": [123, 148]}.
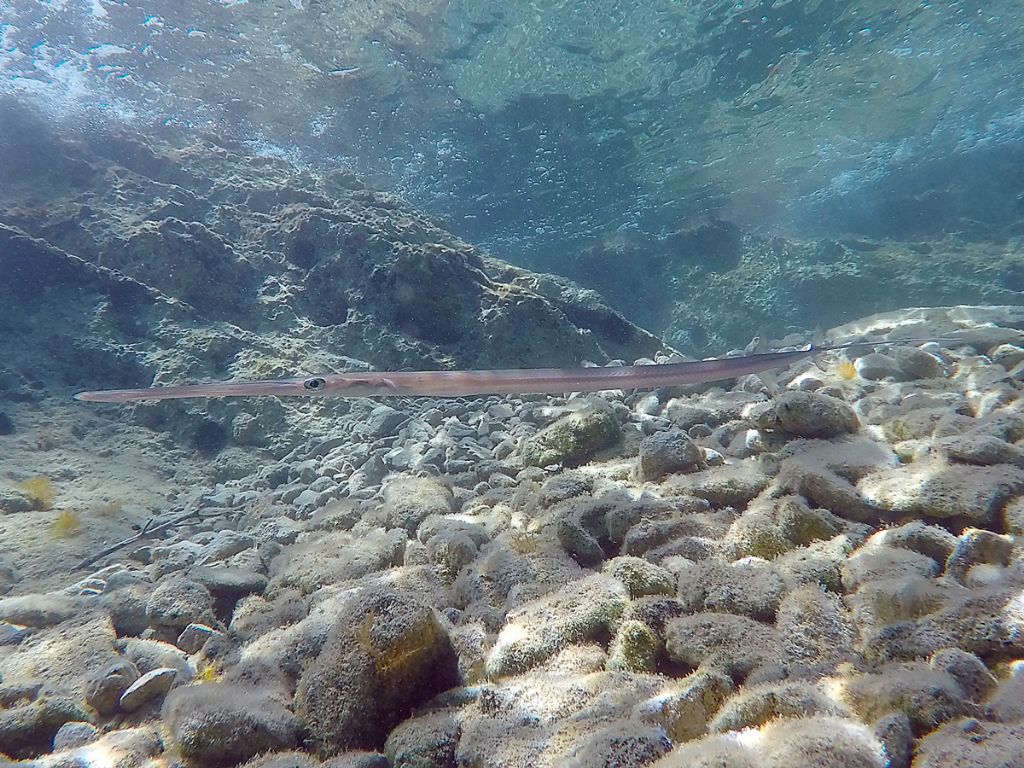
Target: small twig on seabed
{"type": "Point", "coordinates": [147, 530]}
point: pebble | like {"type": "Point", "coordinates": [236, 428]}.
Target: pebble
{"type": "Point", "coordinates": [12, 634]}
{"type": "Point", "coordinates": [225, 544]}
{"type": "Point", "coordinates": [666, 452]}
{"type": "Point", "coordinates": [194, 636]}
{"type": "Point", "coordinates": [228, 584]}
{"type": "Point", "coordinates": [305, 500]}
{"type": "Point", "coordinates": [876, 366]}
{"type": "Point", "coordinates": [1007, 355]}
{"type": "Point", "coordinates": [915, 363]}
{"type": "Point", "coordinates": [178, 602]}
{"type": "Point", "coordinates": [152, 685]}
{"type": "Point", "coordinates": [105, 690]}
{"type": "Point", "coordinates": [74, 734]}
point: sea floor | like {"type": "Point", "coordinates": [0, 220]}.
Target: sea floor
{"type": "Point", "coordinates": [820, 569]}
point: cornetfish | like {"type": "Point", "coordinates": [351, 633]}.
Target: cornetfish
{"type": "Point", "coordinates": [517, 381]}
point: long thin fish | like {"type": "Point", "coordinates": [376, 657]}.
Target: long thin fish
{"type": "Point", "coordinates": [518, 381]}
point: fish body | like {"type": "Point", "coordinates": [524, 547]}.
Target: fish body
{"type": "Point", "coordinates": [515, 381]}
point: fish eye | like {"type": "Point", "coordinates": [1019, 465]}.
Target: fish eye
{"type": "Point", "coordinates": [314, 383]}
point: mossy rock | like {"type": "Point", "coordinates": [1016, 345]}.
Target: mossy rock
{"type": "Point", "coordinates": [386, 654]}
{"type": "Point", "coordinates": [635, 648]}
{"type": "Point", "coordinates": [573, 438]}
{"type": "Point", "coordinates": [224, 724]}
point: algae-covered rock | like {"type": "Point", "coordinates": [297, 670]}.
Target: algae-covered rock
{"type": "Point", "coordinates": [897, 738]}
{"type": "Point", "coordinates": [874, 563]}
{"type": "Point", "coordinates": [450, 551]}
{"type": "Point", "coordinates": [937, 489]}
{"type": "Point", "coordinates": [815, 630]}
{"type": "Point", "coordinates": [355, 758]}
{"type": "Point", "coordinates": [748, 588]}
{"type": "Point", "coordinates": [981, 449]}
{"type": "Point", "coordinates": [711, 752]}
{"type": "Point", "coordinates": [804, 525]}
{"type": "Point", "coordinates": [385, 654]}
{"type": "Point", "coordinates": [591, 529]}
{"type": "Point", "coordinates": [105, 689]}
{"type": "Point", "coordinates": [408, 501]}
{"type": "Point", "coordinates": [222, 724]}
{"type": "Point", "coordinates": [756, 705]}
{"type": "Point", "coordinates": [968, 670]}
{"type": "Point", "coordinates": [641, 577]}
{"type": "Point", "coordinates": [827, 489]}
{"type": "Point", "coordinates": [972, 742]}
{"type": "Point", "coordinates": [735, 644]}
{"type": "Point", "coordinates": [978, 547]}
{"type": "Point", "coordinates": [770, 527]}
{"type": "Point", "coordinates": [427, 741]}
{"type": "Point", "coordinates": [329, 557]}
{"type": "Point", "coordinates": [666, 452]}
{"type": "Point", "coordinates": [876, 366]}
{"type": "Point", "coordinates": [880, 603]}
{"type": "Point", "coordinates": [1006, 704]}
{"type": "Point", "coordinates": [140, 746]}
{"type": "Point", "coordinates": [289, 643]}
{"type": "Point", "coordinates": [581, 528]}
{"type": "Point", "coordinates": [818, 564]}
{"type": "Point", "coordinates": [923, 423]}
{"type": "Point", "coordinates": [509, 571]}
{"type": "Point", "coordinates": [931, 540]}
{"type": "Point", "coordinates": [654, 611]}
{"type": "Point", "coordinates": [573, 438]}
{"type": "Point", "coordinates": [293, 758]}
{"type": "Point", "coordinates": [178, 602]}
{"type": "Point", "coordinates": [634, 648]}
{"type": "Point", "coordinates": [685, 707]}
{"type": "Point", "coordinates": [550, 718]}
{"type": "Point", "coordinates": [988, 622]}
{"type": "Point", "coordinates": [622, 743]}
{"type": "Point", "coordinates": [928, 697]}
{"type": "Point", "coordinates": [37, 610]}
{"type": "Point", "coordinates": [732, 485]}
{"type": "Point", "coordinates": [915, 363]}
{"type": "Point", "coordinates": [821, 742]}
{"type": "Point", "coordinates": [29, 728]}
{"type": "Point", "coordinates": [656, 539]}
{"type": "Point", "coordinates": [1013, 518]}
{"type": "Point", "coordinates": [564, 485]}
{"type": "Point", "coordinates": [583, 610]}
{"type": "Point", "coordinates": [807, 414]}
{"type": "Point", "coordinates": [756, 533]}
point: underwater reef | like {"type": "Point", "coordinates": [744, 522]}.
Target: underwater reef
{"type": "Point", "coordinates": [820, 568]}
{"type": "Point", "coordinates": [713, 286]}
{"type": "Point", "coordinates": [204, 261]}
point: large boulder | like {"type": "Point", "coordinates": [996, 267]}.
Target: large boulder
{"type": "Point", "coordinates": [384, 655]}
